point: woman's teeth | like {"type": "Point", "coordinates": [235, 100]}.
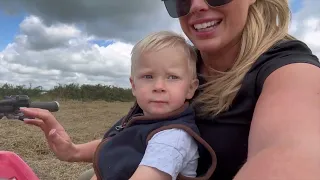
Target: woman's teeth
{"type": "Point", "coordinates": [207, 25]}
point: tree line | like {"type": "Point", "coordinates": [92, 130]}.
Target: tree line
{"type": "Point", "coordinates": [71, 91]}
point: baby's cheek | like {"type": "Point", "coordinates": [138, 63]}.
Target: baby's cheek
{"type": "Point", "coordinates": [143, 89]}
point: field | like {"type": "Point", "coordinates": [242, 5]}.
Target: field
{"type": "Point", "coordinates": [84, 121]}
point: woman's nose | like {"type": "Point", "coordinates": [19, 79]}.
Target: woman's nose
{"type": "Point", "coordinates": [198, 6]}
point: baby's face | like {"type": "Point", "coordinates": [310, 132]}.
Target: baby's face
{"type": "Point", "coordinates": [162, 81]}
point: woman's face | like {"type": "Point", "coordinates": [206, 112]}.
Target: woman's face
{"type": "Point", "coordinates": [212, 28]}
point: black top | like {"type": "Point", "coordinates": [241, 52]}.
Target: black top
{"type": "Point", "coordinates": [228, 132]}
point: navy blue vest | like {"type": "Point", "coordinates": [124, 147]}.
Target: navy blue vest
{"type": "Point", "coordinates": [117, 157]}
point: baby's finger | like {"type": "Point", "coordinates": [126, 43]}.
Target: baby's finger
{"type": "Point", "coordinates": [42, 114]}
{"type": "Point", "coordinates": [35, 122]}
{"type": "Point", "coordinates": [36, 113]}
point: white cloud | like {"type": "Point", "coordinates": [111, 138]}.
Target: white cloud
{"type": "Point", "coordinates": [306, 25]}
{"type": "Point", "coordinates": [42, 56]}
{"type": "Point", "coordinates": [37, 36]}
{"type": "Point", "coordinates": [309, 32]}
{"type": "Point", "coordinates": [312, 34]}
{"type": "Point", "coordinates": [124, 20]}
{"type": "Point", "coordinates": [61, 47]}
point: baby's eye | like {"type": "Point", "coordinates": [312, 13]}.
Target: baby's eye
{"type": "Point", "coordinates": [147, 76]}
{"type": "Point", "coordinates": [173, 77]}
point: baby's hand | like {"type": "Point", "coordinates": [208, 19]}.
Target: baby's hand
{"type": "Point", "coordinates": [57, 138]}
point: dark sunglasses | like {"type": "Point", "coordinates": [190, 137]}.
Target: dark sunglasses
{"type": "Point", "coordinates": [178, 8]}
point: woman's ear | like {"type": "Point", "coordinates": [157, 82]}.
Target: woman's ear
{"type": "Point", "coordinates": [133, 87]}
{"type": "Point", "coordinates": [192, 89]}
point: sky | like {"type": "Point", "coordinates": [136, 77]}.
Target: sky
{"type": "Point", "coordinates": [47, 43]}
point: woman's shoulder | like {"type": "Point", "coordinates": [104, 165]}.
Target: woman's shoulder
{"type": "Point", "coordinates": [283, 53]}
{"type": "Point", "coordinates": [291, 45]}
{"type": "Point", "coordinates": [286, 51]}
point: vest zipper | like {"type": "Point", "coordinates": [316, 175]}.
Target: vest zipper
{"type": "Point", "coordinates": [119, 128]}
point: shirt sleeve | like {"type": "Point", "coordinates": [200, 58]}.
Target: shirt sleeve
{"type": "Point", "coordinates": [172, 151]}
{"type": "Point", "coordinates": [283, 54]}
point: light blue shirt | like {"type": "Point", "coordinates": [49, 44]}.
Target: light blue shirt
{"type": "Point", "coordinates": [172, 151]}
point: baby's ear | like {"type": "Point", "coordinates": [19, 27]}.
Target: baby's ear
{"type": "Point", "coordinates": [192, 89]}
{"type": "Point", "coordinates": [133, 87]}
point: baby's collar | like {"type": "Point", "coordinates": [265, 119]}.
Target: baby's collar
{"type": "Point", "coordinates": [136, 113]}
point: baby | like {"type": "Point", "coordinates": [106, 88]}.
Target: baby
{"type": "Point", "coordinates": [158, 138]}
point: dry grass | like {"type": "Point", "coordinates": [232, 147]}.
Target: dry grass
{"type": "Point", "coordinates": [84, 121]}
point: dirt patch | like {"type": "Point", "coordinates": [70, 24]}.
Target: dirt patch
{"type": "Point", "coordinates": [84, 121]}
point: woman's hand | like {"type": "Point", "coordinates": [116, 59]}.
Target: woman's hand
{"type": "Point", "coordinates": [57, 138]}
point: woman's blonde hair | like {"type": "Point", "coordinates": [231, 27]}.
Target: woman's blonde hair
{"type": "Point", "coordinates": [267, 23]}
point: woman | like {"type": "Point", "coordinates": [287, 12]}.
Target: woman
{"type": "Point", "coordinates": [259, 104]}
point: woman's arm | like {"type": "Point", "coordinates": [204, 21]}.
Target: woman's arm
{"type": "Point", "coordinates": [284, 141]}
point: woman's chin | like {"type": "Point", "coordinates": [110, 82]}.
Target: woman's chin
{"type": "Point", "coordinates": [208, 45]}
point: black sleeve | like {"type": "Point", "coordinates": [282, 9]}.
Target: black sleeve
{"type": "Point", "coordinates": [283, 54]}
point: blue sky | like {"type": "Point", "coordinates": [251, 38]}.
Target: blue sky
{"type": "Point", "coordinates": [10, 26]}
{"type": "Point", "coordinates": [295, 5]}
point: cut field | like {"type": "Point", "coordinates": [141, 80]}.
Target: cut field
{"type": "Point", "coordinates": [84, 121]}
